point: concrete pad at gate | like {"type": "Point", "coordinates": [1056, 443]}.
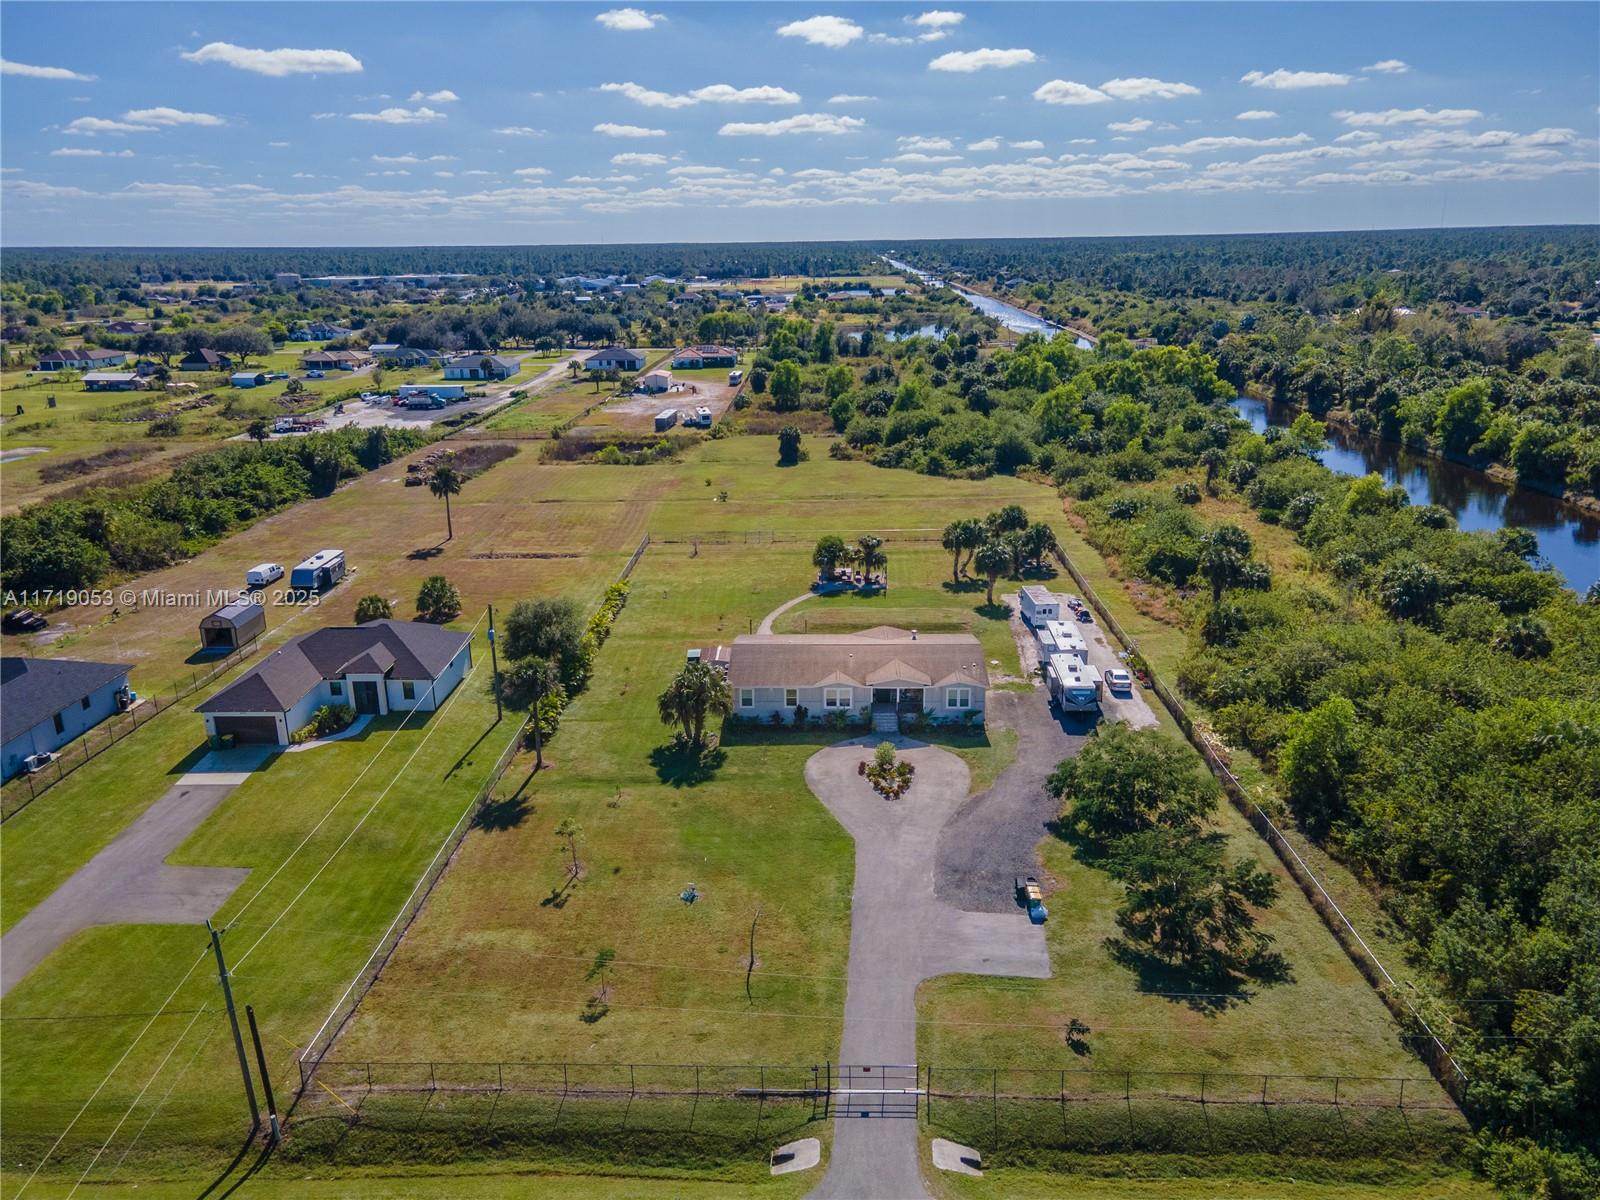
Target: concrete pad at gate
{"type": "Point", "coordinates": [952, 1156]}
{"type": "Point", "coordinates": [796, 1156]}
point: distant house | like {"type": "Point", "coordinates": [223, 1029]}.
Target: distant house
{"type": "Point", "coordinates": [80, 358]}
{"type": "Point", "coordinates": [335, 360]}
{"type": "Point", "coordinates": [46, 702]}
{"type": "Point", "coordinates": [615, 358]}
{"type": "Point", "coordinates": [693, 357]}
{"type": "Point", "coordinates": [128, 327]}
{"type": "Point", "coordinates": [249, 379]}
{"type": "Point", "coordinates": [112, 381]}
{"type": "Point", "coordinates": [1145, 343]}
{"type": "Point", "coordinates": [380, 667]}
{"type": "Point", "coordinates": [1471, 312]}
{"type": "Point", "coordinates": [381, 350]}
{"type": "Point", "coordinates": [145, 368]}
{"type": "Point", "coordinates": [656, 381]}
{"type": "Point", "coordinates": [205, 360]}
{"type": "Point", "coordinates": [318, 331]}
{"type": "Point", "coordinates": [393, 354]}
{"type": "Point", "coordinates": [892, 671]}
{"type": "Point", "coordinates": [480, 366]}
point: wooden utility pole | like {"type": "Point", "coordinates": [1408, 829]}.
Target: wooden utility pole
{"type": "Point", "coordinates": [233, 1020]}
{"type": "Point", "coordinates": [273, 1131]}
{"type": "Point", "coordinates": [494, 666]}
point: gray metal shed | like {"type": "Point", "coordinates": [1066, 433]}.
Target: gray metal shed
{"type": "Point", "coordinates": [233, 625]}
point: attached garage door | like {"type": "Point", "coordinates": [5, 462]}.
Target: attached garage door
{"type": "Point", "coordinates": [250, 729]}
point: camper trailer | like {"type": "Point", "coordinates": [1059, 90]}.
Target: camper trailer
{"type": "Point", "coordinates": [1074, 684]}
{"type": "Point", "coordinates": [1039, 605]}
{"type": "Point", "coordinates": [1062, 637]}
{"type": "Point", "coordinates": [666, 419]}
{"type": "Point", "coordinates": [319, 572]}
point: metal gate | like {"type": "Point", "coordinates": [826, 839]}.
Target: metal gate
{"type": "Point", "coordinates": [892, 1090]}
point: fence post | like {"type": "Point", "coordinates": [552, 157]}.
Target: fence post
{"type": "Point", "coordinates": [1402, 1093]}
{"type": "Point", "coordinates": [1263, 1091]}
{"type": "Point", "coordinates": [1202, 1087]}
{"type": "Point", "coordinates": [1336, 1091]}
{"type": "Point", "coordinates": [994, 1105]}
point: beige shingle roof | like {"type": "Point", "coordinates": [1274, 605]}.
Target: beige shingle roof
{"type": "Point", "coordinates": [870, 658]}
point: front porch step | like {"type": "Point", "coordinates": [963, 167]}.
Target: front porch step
{"type": "Point", "coordinates": [885, 722]}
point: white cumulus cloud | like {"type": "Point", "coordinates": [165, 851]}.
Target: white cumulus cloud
{"type": "Point", "coordinates": [1388, 66]}
{"type": "Point", "coordinates": [832, 32]}
{"type": "Point", "coordinates": [519, 131]}
{"type": "Point", "coordinates": [171, 116]}
{"type": "Point", "coordinates": [1409, 116]}
{"type": "Point", "coordinates": [629, 20]}
{"type": "Point", "coordinates": [938, 18]}
{"type": "Point", "coordinates": [1147, 89]}
{"type": "Point", "coordinates": [1030, 144]}
{"type": "Point", "coordinates": [990, 143]}
{"type": "Point", "coordinates": [7, 67]}
{"type": "Point", "coordinates": [965, 62]}
{"type": "Point", "coordinates": [1287, 81]}
{"type": "Point", "coordinates": [1196, 145]}
{"type": "Point", "coordinates": [847, 98]}
{"type": "Point", "coordinates": [86, 152]}
{"type": "Point", "coordinates": [632, 159]}
{"type": "Point", "coordinates": [823, 123]}
{"type": "Point", "coordinates": [715, 93]}
{"type": "Point", "coordinates": [1136, 125]}
{"type": "Point", "coordinates": [400, 116]}
{"type": "Point", "coordinates": [89, 126]}
{"type": "Point", "coordinates": [612, 129]}
{"type": "Point", "coordinates": [442, 96]}
{"type": "Point", "coordinates": [276, 63]}
{"type": "Point", "coordinates": [1067, 91]}
{"type": "Point", "coordinates": [1257, 114]}
{"type": "Point", "coordinates": [924, 143]}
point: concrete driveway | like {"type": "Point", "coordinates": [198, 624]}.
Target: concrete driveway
{"type": "Point", "coordinates": [901, 934]}
{"type": "Point", "coordinates": [129, 882]}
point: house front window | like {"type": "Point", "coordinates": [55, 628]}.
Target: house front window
{"type": "Point", "coordinates": [61, 726]}
{"type": "Point", "coordinates": [836, 698]}
{"type": "Point", "coordinates": [791, 697]}
{"type": "Point", "coordinates": [335, 688]}
{"type": "Point", "coordinates": [747, 697]}
{"type": "Point", "coordinates": [958, 697]}
{"type": "Point", "coordinates": [408, 689]}
{"type": "Point", "coordinates": [85, 704]}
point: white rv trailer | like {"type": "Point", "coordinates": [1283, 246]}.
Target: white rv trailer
{"type": "Point", "coordinates": [1074, 684]}
{"type": "Point", "coordinates": [1064, 638]}
{"type": "Point", "coordinates": [1039, 605]}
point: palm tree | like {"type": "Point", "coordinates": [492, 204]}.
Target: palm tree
{"type": "Point", "coordinates": [992, 559]}
{"type": "Point", "coordinates": [962, 537]}
{"type": "Point", "coordinates": [695, 693]}
{"type": "Point", "coordinates": [873, 558]}
{"type": "Point", "coordinates": [446, 482]}
{"type": "Point", "coordinates": [1212, 458]}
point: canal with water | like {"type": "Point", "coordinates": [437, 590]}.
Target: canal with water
{"type": "Point", "coordinates": [1569, 539]}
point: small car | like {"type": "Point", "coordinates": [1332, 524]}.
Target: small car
{"type": "Point", "coordinates": [316, 375]}
{"type": "Point", "coordinates": [1086, 616]}
{"type": "Point", "coordinates": [35, 763]}
{"type": "Point", "coordinates": [1119, 680]}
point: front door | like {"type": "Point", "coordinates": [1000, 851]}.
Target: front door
{"type": "Point", "coordinates": [910, 700]}
{"type": "Point", "coordinates": [883, 695]}
{"type": "Point", "coordinates": [366, 696]}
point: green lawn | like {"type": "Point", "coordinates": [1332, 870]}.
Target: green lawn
{"type": "Point", "coordinates": [316, 901]}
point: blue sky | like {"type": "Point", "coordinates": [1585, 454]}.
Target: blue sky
{"type": "Point", "coordinates": [305, 124]}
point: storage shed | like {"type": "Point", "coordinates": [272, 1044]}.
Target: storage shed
{"type": "Point", "coordinates": [666, 419]}
{"type": "Point", "coordinates": [233, 625]}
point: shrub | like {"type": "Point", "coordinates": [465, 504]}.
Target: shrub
{"type": "Point", "coordinates": [373, 608]}
{"type": "Point", "coordinates": [1186, 492]}
{"type": "Point", "coordinates": [438, 599]}
{"type": "Point", "coordinates": [325, 722]}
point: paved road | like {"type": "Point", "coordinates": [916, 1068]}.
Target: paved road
{"type": "Point", "coordinates": [901, 934]}
{"type": "Point", "coordinates": [129, 882]}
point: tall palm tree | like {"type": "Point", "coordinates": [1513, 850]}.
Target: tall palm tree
{"type": "Point", "coordinates": [962, 538]}
{"type": "Point", "coordinates": [697, 692]}
{"type": "Point", "coordinates": [993, 559]}
{"type": "Point", "coordinates": [444, 483]}
{"type": "Point", "coordinates": [872, 557]}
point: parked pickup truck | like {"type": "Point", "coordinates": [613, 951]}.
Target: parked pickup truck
{"type": "Point", "coordinates": [1031, 897]}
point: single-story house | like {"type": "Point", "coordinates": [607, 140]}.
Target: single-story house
{"type": "Point", "coordinates": [617, 358]}
{"type": "Point", "coordinates": [656, 381]}
{"type": "Point", "coordinates": [885, 669]}
{"type": "Point", "coordinates": [46, 702]}
{"type": "Point", "coordinates": [335, 360]}
{"type": "Point", "coordinates": [248, 379]}
{"type": "Point", "coordinates": [402, 356]}
{"type": "Point", "coordinates": [112, 381]}
{"type": "Point", "coordinates": [128, 327]}
{"type": "Point", "coordinates": [380, 667]}
{"type": "Point", "coordinates": [318, 331]}
{"type": "Point", "coordinates": [480, 366]}
{"type": "Point", "coordinates": [692, 358]}
{"type": "Point", "coordinates": [205, 360]}
{"type": "Point", "coordinates": [80, 358]}
{"type": "Point", "coordinates": [233, 625]}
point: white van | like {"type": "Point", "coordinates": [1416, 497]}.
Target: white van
{"type": "Point", "coordinates": [262, 574]}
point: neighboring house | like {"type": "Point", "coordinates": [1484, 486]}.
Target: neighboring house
{"type": "Point", "coordinates": [889, 670]}
{"type": "Point", "coordinates": [249, 379]}
{"type": "Point", "coordinates": [480, 366]}
{"type": "Point", "coordinates": [46, 702]}
{"type": "Point", "coordinates": [615, 358]}
{"type": "Point", "coordinates": [335, 360]}
{"type": "Point", "coordinates": [128, 327]}
{"type": "Point", "coordinates": [692, 358]}
{"type": "Point", "coordinates": [112, 381]}
{"type": "Point", "coordinates": [656, 381]}
{"type": "Point", "coordinates": [402, 356]}
{"type": "Point", "coordinates": [79, 358]}
{"type": "Point", "coordinates": [318, 331]}
{"type": "Point", "coordinates": [379, 667]}
{"type": "Point", "coordinates": [205, 360]}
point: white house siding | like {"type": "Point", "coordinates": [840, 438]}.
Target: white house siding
{"type": "Point", "coordinates": [75, 720]}
{"type": "Point", "coordinates": [770, 700]}
{"type": "Point", "coordinates": [447, 682]}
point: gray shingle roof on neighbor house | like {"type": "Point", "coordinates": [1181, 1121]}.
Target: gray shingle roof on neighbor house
{"type": "Point", "coordinates": [873, 656]}
{"type": "Point", "coordinates": [32, 690]}
{"type": "Point", "coordinates": [412, 649]}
